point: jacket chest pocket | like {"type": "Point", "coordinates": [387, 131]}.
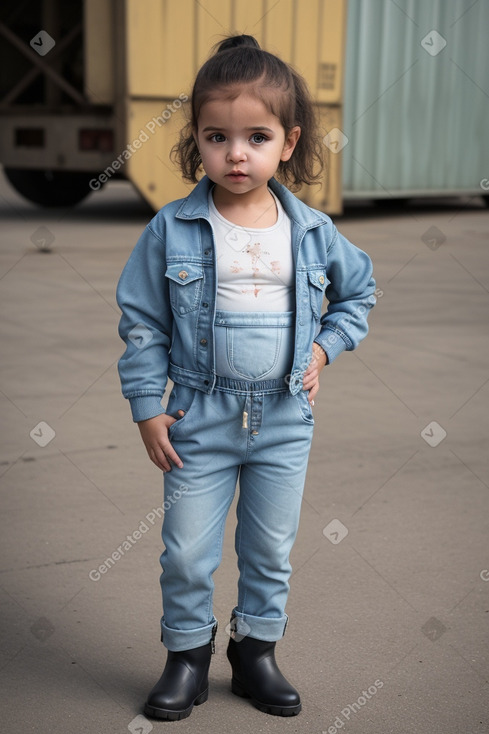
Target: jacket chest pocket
{"type": "Point", "coordinates": [185, 286]}
{"type": "Point", "coordinates": [317, 283]}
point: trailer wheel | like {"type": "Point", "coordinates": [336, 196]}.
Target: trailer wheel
{"type": "Point", "coordinates": [50, 188]}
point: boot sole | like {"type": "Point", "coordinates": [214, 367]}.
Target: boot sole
{"type": "Point", "coordinates": [169, 715]}
{"type": "Point", "coordinates": [266, 708]}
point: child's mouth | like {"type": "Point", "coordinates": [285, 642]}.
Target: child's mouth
{"type": "Point", "coordinates": [237, 175]}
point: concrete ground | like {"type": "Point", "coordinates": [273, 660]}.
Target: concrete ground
{"type": "Point", "coordinates": [389, 603]}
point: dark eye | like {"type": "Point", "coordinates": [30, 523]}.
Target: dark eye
{"type": "Point", "coordinates": [258, 138]}
{"type": "Point", "coordinates": [217, 138]}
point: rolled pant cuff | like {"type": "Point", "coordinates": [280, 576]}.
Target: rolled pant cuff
{"type": "Point", "coordinates": [267, 629]}
{"type": "Point", "coordinates": [178, 640]}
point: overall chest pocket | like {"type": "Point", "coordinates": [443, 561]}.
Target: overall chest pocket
{"type": "Point", "coordinates": [317, 283]}
{"type": "Point", "coordinates": [185, 286]}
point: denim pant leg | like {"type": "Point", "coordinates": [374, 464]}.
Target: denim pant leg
{"type": "Point", "coordinates": [208, 440]}
{"type": "Point", "coordinates": [271, 489]}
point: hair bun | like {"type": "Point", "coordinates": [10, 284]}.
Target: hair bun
{"type": "Point", "coordinates": [236, 42]}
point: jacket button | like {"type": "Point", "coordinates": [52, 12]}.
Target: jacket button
{"type": "Point", "coordinates": [321, 279]}
{"type": "Point", "coordinates": [183, 274]}
{"type": "Point", "coordinates": [203, 342]}
{"type": "Point", "coordinates": [207, 252]}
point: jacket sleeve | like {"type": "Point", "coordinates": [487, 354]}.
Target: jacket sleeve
{"type": "Point", "coordinates": [145, 326]}
{"type": "Point", "coordinates": [350, 294]}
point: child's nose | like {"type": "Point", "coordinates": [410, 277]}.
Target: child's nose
{"type": "Point", "coordinates": [236, 153]}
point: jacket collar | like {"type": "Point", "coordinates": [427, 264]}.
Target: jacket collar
{"type": "Point", "coordinates": [195, 205]}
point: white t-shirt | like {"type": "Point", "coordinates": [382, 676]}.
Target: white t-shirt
{"type": "Point", "coordinates": [255, 268]}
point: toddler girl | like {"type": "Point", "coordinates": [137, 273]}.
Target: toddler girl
{"type": "Point", "coordinates": [223, 294]}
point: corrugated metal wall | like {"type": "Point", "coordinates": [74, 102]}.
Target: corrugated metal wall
{"type": "Point", "coordinates": [416, 111]}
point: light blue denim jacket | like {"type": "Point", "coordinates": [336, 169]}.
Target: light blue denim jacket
{"type": "Point", "coordinates": [167, 294]}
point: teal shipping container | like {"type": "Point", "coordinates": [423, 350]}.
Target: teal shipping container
{"type": "Point", "coordinates": [416, 99]}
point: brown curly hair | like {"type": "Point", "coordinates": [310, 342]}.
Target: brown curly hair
{"type": "Point", "coordinates": [239, 61]}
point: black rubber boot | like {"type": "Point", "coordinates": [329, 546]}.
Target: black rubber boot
{"type": "Point", "coordinates": [256, 675]}
{"type": "Point", "coordinates": [183, 685]}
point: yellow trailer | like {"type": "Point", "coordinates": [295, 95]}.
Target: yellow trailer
{"type": "Point", "coordinates": [117, 75]}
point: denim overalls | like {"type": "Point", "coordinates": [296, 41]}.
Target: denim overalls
{"type": "Point", "coordinates": [251, 429]}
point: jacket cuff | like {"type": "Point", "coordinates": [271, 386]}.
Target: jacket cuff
{"type": "Point", "coordinates": [144, 407]}
{"type": "Point", "coordinates": [332, 344]}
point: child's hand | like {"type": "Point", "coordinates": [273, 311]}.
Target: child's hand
{"type": "Point", "coordinates": [311, 375]}
{"type": "Point", "coordinates": [154, 433]}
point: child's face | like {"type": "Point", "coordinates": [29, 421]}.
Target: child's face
{"type": "Point", "coordinates": [242, 143]}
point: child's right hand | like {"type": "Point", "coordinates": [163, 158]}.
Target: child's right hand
{"type": "Point", "coordinates": [154, 433]}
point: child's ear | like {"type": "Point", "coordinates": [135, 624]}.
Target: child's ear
{"type": "Point", "coordinates": [290, 143]}
{"type": "Point", "coordinates": [194, 134]}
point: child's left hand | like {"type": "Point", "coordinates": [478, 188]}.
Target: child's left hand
{"type": "Point", "coordinates": [311, 375]}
